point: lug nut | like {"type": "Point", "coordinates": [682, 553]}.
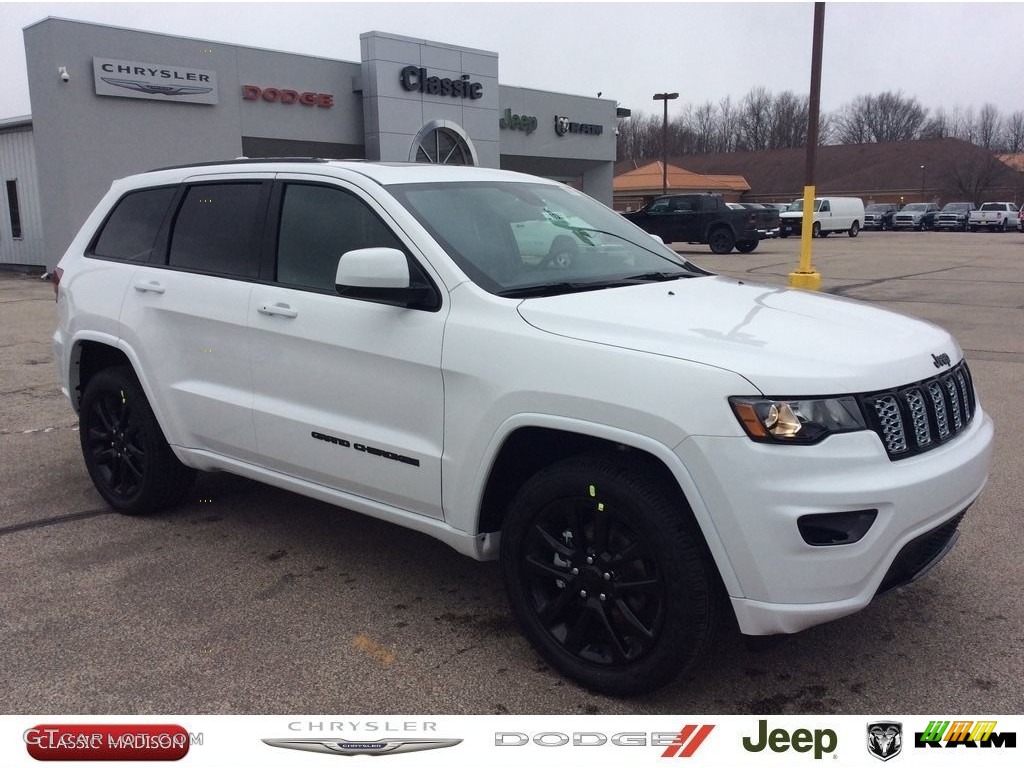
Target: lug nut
{"type": "Point", "coordinates": [607, 577]}
{"type": "Point", "coordinates": [603, 598]}
{"type": "Point", "coordinates": [583, 593]}
{"type": "Point", "coordinates": [590, 561]}
{"type": "Point", "coordinates": [575, 571]}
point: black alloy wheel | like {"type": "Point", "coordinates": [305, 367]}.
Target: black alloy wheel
{"type": "Point", "coordinates": [609, 577]}
{"type": "Point", "coordinates": [721, 240]}
{"type": "Point", "coordinates": [128, 459]}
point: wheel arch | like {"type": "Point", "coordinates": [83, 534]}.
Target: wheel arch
{"type": "Point", "coordinates": [525, 449]}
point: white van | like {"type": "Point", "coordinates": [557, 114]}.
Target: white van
{"type": "Point", "coordinates": [831, 214]}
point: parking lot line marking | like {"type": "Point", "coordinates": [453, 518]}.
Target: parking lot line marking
{"type": "Point", "coordinates": [55, 520]}
{"type": "Point", "coordinates": [41, 430]}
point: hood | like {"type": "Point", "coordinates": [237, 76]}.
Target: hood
{"type": "Point", "coordinates": [787, 342]}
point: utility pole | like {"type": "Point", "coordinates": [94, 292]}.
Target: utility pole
{"type": "Point", "coordinates": [664, 97]}
{"type": "Point", "coordinates": [805, 276]}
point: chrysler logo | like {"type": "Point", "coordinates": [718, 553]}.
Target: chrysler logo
{"type": "Point", "coordinates": [160, 90]}
{"type": "Point", "coordinates": [379, 747]}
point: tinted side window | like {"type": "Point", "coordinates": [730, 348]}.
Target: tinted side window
{"type": "Point", "coordinates": [218, 229]}
{"type": "Point", "coordinates": [130, 231]}
{"type": "Point", "coordinates": [318, 225]}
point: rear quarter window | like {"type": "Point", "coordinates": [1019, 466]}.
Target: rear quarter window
{"type": "Point", "coordinates": [131, 229]}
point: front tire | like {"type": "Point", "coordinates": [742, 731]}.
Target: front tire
{"type": "Point", "coordinates": [128, 459]}
{"type": "Point", "coordinates": [721, 240]}
{"type": "Point", "coordinates": [816, 229]}
{"type": "Point", "coordinates": [608, 575]}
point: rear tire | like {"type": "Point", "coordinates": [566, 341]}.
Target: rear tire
{"type": "Point", "coordinates": [747, 246]}
{"type": "Point", "coordinates": [854, 229]}
{"type": "Point", "coordinates": [608, 575]}
{"type": "Point", "coordinates": [128, 459]}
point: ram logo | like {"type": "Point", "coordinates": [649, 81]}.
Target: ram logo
{"type": "Point", "coordinates": [885, 739]}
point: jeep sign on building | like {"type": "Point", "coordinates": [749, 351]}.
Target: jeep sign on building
{"type": "Point", "coordinates": [108, 102]}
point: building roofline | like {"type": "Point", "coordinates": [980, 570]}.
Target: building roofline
{"type": "Point", "coordinates": [185, 37]}
{"type": "Point", "coordinates": [15, 122]}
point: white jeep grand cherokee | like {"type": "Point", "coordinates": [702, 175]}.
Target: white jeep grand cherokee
{"type": "Point", "coordinates": [646, 446]}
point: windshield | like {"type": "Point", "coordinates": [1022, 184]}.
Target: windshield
{"type": "Point", "coordinates": [915, 207]}
{"type": "Point", "coordinates": [798, 205]}
{"type": "Point", "coordinates": [957, 207]}
{"type": "Point", "coordinates": [877, 208]}
{"type": "Point", "coordinates": [519, 238]}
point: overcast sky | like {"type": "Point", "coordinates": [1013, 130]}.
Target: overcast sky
{"type": "Point", "coordinates": [944, 54]}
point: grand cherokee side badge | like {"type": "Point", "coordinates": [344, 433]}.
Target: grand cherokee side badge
{"type": "Point", "coordinates": [379, 747]}
{"type": "Point", "coordinates": [941, 360]}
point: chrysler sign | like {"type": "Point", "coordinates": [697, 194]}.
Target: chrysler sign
{"type": "Point", "coordinates": [164, 82]}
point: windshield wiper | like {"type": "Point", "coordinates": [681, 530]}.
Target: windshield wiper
{"type": "Point", "coordinates": [659, 277]}
{"type": "Point", "coordinates": [554, 289]}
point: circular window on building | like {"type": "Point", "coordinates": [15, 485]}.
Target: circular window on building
{"type": "Point", "coordinates": [443, 142]}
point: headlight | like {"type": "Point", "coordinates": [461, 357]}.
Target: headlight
{"type": "Point", "coordinates": [800, 422]}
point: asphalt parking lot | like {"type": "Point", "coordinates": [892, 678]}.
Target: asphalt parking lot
{"type": "Point", "coordinates": [248, 599]}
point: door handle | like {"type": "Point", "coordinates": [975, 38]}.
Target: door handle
{"type": "Point", "coordinates": [281, 310]}
{"type": "Point", "coordinates": [151, 287]}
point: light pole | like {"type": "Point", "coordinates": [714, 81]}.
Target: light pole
{"type": "Point", "coordinates": [665, 97]}
{"type": "Point", "coordinates": [922, 183]}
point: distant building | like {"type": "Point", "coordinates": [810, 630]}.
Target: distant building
{"type": "Point", "coordinates": [933, 170]}
{"type": "Point", "coordinates": [634, 188]}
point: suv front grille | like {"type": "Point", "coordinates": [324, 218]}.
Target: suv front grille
{"type": "Point", "coordinates": [922, 416]}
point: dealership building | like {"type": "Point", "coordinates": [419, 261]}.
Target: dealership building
{"type": "Point", "coordinates": [108, 102]}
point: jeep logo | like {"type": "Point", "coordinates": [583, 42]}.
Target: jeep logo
{"type": "Point", "coordinates": [941, 360]}
{"type": "Point", "coordinates": [821, 741]}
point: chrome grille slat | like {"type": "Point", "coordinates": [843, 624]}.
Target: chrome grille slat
{"type": "Point", "coordinates": [923, 415]}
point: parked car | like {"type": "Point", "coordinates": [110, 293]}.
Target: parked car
{"type": "Point", "coordinates": [879, 216]}
{"type": "Point", "coordinates": [647, 448]}
{"type": "Point", "coordinates": [919, 216]}
{"type": "Point", "coordinates": [831, 214]}
{"type": "Point", "coordinates": [699, 218]}
{"type": "Point", "coordinates": [1020, 220]}
{"type": "Point", "coordinates": [768, 221]}
{"type": "Point", "coordinates": [954, 216]}
{"type": "Point", "coordinates": [996, 216]}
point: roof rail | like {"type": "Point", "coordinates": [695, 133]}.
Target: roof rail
{"type": "Point", "coordinates": [248, 161]}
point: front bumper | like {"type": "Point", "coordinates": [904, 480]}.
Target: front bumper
{"type": "Point", "coordinates": [778, 582]}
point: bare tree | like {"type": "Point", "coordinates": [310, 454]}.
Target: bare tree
{"type": "Point", "coordinates": [989, 126]}
{"type": "Point", "coordinates": [973, 174]}
{"type": "Point", "coordinates": [789, 121]}
{"type": "Point", "coordinates": [756, 117]}
{"type": "Point", "coordinates": [889, 116]}
{"type": "Point", "coordinates": [1013, 132]}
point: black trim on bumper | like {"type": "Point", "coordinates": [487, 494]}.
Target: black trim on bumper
{"type": "Point", "coordinates": [920, 555]}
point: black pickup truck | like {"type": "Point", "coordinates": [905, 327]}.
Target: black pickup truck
{"type": "Point", "coordinates": [699, 219]}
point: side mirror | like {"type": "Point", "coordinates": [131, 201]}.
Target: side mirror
{"type": "Point", "coordinates": [382, 275]}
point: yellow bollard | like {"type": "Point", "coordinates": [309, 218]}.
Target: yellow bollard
{"type": "Point", "coordinates": [805, 276]}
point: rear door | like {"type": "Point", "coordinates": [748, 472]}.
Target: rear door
{"type": "Point", "coordinates": [185, 314]}
{"type": "Point", "coordinates": [348, 392]}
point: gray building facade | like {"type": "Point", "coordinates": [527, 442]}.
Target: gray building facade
{"type": "Point", "coordinates": [109, 102]}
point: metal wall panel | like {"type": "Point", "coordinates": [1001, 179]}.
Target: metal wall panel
{"type": "Point", "coordinates": [18, 161]}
